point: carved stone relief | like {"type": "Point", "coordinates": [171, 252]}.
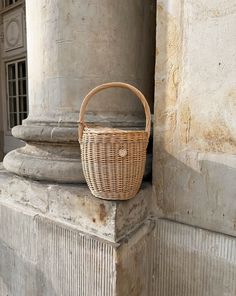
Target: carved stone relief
{"type": "Point", "coordinates": [13, 31]}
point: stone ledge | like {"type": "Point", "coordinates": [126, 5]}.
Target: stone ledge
{"type": "Point", "coordinates": [75, 205]}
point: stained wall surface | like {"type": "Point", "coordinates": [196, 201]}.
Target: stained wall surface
{"type": "Point", "coordinates": [195, 128]}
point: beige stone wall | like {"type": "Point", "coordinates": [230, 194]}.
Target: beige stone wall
{"type": "Point", "coordinates": [195, 127]}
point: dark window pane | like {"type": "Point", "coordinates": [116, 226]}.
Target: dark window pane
{"type": "Point", "coordinates": [22, 87]}
{"type": "Point", "coordinates": [25, 107]}
{"type": "Point", "coordinates": [12, 88]}
{"type": "Point", "coordinates": [21, 69]}
{"type": "Point", "coordinates": [23, 104]}
{"type": "Point", "coordinates": [11, 72]}
{"type": "Point", "coordinates": [13, 119]}
{"type": "Point", "coordinates": [12, 104]}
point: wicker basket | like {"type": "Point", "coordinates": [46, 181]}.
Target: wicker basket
{"type": "Point", "coordinates": [113, 160]}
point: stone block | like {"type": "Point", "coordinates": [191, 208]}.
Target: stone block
{"type": "Point", "coordinates": [41, 256]}
{"type": "Point", "coordinates": [74, 204]}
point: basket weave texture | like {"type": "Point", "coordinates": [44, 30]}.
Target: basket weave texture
{"type": "Point", "coordinates": [113, 160]}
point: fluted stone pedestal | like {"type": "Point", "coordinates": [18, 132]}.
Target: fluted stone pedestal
{"type": "Point", "coordinates": [60, 240]}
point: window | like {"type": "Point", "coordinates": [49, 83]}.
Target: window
{"type": "Point", "coordinates": [6, 3]}
{"type": "Point", "coordinates": [16, 92]}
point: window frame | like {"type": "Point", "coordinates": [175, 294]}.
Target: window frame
{"type": "Point", "coordinates": [15, 62]}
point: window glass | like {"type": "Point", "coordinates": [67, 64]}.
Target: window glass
{"type": "Point", "coordinates": [17, 93]}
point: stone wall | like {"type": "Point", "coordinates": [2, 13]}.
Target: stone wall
{"type": "Point", "coordinates": [195, 128]}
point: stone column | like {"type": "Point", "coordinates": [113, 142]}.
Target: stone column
{"type": "Point", "coordinates": [72, 47]}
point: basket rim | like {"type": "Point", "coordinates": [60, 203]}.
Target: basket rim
{"type": "Point", "coordinates": [104, 131]}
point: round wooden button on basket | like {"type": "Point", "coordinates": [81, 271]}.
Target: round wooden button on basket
{"type": "Point", "coordinates": [113, 160]}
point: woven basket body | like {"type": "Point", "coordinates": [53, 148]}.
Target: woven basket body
{"type": "Point", "coordinates": [113, 160]}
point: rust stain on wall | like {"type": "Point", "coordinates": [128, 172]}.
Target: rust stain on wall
{"type": "Point", "coordinates": [169, 43]}
{"type": "Point", "coordinates": [213, 135]}
{"type": "Point", "coordinates": [218, 136]}
{"type": "Point", "coordinates": [185, 118]}
{"type": "Point", "coordinates": [97, 212]}
{"type": "Point", "coordinates": [102, 213]}
{"type": "Point", "coordinates": [215, 11]}
{"type": "Point", "coordinates": [231, 102]}
{"type": "Point", "coordinates": [167, 81]}
{"type": "Point", "coordinates": [167, 64]}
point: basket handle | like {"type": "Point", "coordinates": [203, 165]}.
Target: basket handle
{"type": "Point", "coordinates": [109, 85]}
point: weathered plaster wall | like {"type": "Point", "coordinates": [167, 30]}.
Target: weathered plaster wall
{"type": "Point", "coordinates": [195, 127]}
{"type": "Point", "coordinates": [208, 90]}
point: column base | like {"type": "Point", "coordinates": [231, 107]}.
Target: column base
{"type": "Point", "coordinates": [52, 152]}
{"type": "Point", "coordinates": [40, 162]}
